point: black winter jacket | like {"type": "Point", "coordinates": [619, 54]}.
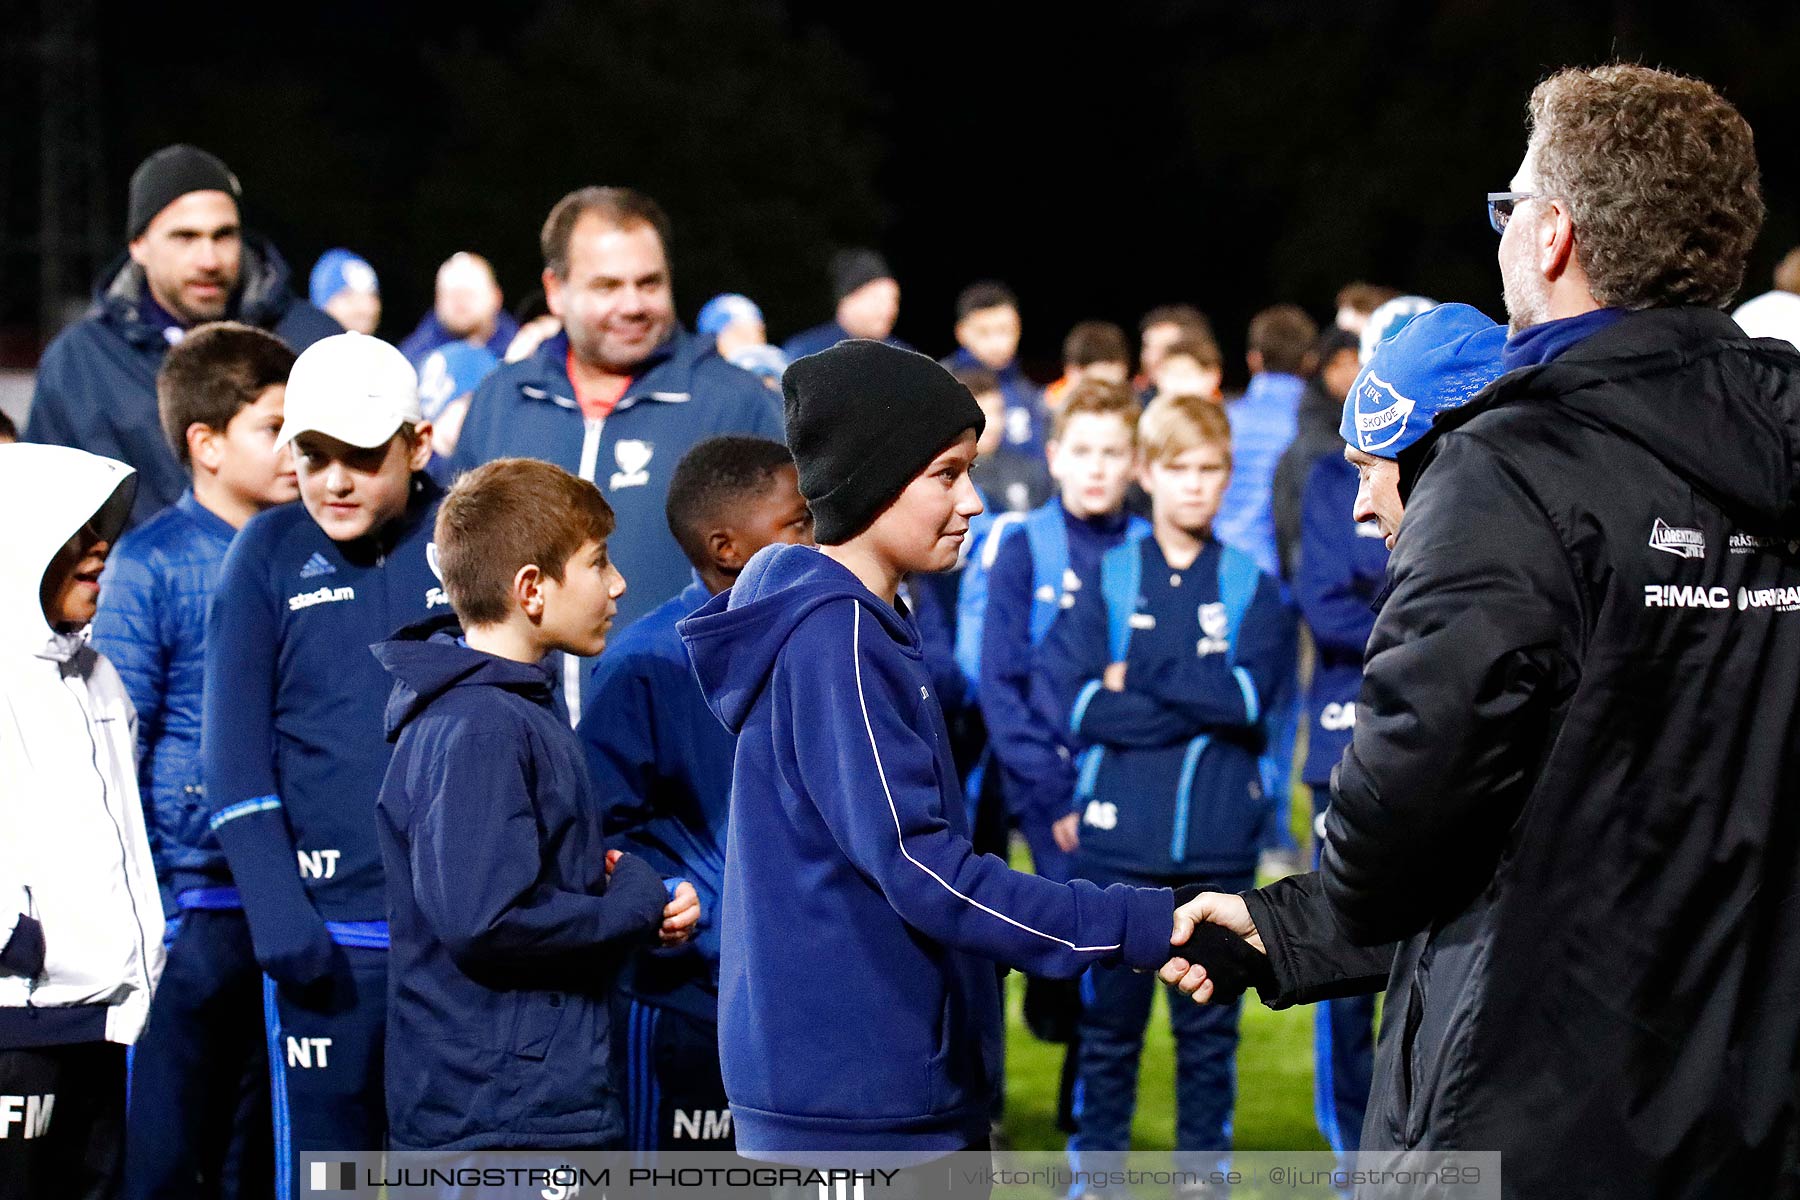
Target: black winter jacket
{"type": "Point", "coordinates": [1571, 789]}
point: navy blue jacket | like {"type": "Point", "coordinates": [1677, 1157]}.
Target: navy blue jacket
{"type": "Point", "coordinates": [1343, 564]}
{"type": "Point", "coordinates": [824, 337]}
{"type": "Point", "coordinates": [1168, 779]}
{"type": "Point", "coordinates": [859, 926]}
{"type": "Point", "coordinates": [1026, 719]}
{"type": "Point", "coordinates": [506, 930]}
{"type": "Point", "coordinates": [661, 765]}
{"type": "Point", "coordinates": [429, 334]}
{"type": "Point", "coordinates": [1027, 422]}
{"type": "Point", "coordinates": [96, 384]}
{"type": "Point", "coordinates": [152, 625]}
{"type": "Point", "coordinates": [295, 743]}
{"type": "Point", "coordinates": [686, 394]}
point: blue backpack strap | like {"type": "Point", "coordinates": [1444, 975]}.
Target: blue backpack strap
{"type": "Point", "coordinates": [972, 595]}
{"type": "Point", "coordinates": [1121, 573]}
{"type": "Point", "coordinates": [1238, 579]}
{"type": "Point", "coordinates": [1049, 538]}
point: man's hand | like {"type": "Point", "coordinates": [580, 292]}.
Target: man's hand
{"type": "Point", "coordinates": [1114, 678]}
{"type": "Point", "coordinates": [681, 915]}
{"type": "Point", "coordinates": [1067, 832]}
{"type": "Point", "coordinates": [1221, 909]}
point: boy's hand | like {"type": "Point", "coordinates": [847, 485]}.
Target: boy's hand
{"type": "Point", "coordinates": [1067, 832]}
{"type": "Point", "coordinates": [681, 915]}
{"type": "Point", "coordinates": [1114, 678]}
{"type": "Point", "coordinates": [612, 860]}
{"type": "Point", "coordinates": [296, 954]}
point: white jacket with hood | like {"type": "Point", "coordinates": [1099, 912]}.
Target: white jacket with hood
{"type": "Point", "coordinates": [73, 850]}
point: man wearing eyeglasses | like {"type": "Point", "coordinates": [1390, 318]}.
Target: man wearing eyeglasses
{"type": "Point", "coordinates": [1569, 795]}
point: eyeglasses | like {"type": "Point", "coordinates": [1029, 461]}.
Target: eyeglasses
{"type": "Point", "coordinates": [1501, 205]}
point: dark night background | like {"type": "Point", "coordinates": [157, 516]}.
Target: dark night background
{"type": "Point", "coordinates": [1101, 160]}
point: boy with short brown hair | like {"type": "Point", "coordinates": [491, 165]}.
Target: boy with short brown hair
{"type": "Point", "coordinates": [508, 916]}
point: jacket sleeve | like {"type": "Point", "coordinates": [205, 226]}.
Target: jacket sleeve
{"type": "Point", "coordinates": [1214, 691]}
{"type": "Point", "coordinates": [1468, 664]}
{"type": "Point", "coordinates": [872, 776]}
{"type": "Point", "coordinates": [1039, 777]}
{"type": "Point", "coordinates": [1074, 655]}
{"type": "Point", "coordinates": [618, 734]}
{"type": "Point", "coordinates": [477, 866]}
{"type": "Point", "coordinates": [243, 641]}
{"type": "Point", "coordinates": [472, 447]}
{"type": "Point", "coordinates": [128, 630]}
{"type": "Point", "coordinates": [49, 421]}
{"type": "Point", "coordinates": [1333, 597]}
{"type": "Point", "coordinates": [1311, 957]}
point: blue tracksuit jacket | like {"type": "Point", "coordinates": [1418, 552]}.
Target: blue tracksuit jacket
{"type": "Point", "coordinates": [1027, 422]}
{"type": "Point", "coordinates": [1168, 781]}
{"type": "Point", "coordinates": [506, 929]}
{"type": "Point", "coordinates": [429, 334]}
{"type": "Point", "coordinates": [858, 1004]}
{"type": "Point", "coordinates": [295, 745]}
{"type": "Point", "coordinates": [96, 385]}
{"type": "Point", "coordinates": [1343, 564]}
{"type": "Point", "coordinates": [686, 394]}
{"type": "Point", "coordinates": [1026, 722]}
{"type": "Point", "coordinates": [152, 625]}
{"type": "Point", "coordinates": [1263, 423]}
{"type": "Point", "coordinates": [661, 765]}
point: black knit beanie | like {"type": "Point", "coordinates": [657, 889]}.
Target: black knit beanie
{"type": "Point", "coordinates": [851, 269]}
{"type": "Point", "coordinates": [863, 418]}
{"type": "Point", "coordinates": [167, 176]}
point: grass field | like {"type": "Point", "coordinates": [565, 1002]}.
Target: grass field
{"type": "Point", "coordinates": [1275, 1069]}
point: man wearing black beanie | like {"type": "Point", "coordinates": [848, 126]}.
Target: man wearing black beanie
{"type": "Point", "coordinates": [868, 304]}
{"type": "Point", "coordinates": [187, 261]}
{"type": "Point", "coordinates": [878, 1031]}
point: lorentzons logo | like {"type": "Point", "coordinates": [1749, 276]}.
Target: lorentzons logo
{"type": "Point", "coordinates": [324, 595]}
{"type": "Point", "coordinates": [1781, 599]}
{"type": "Point", "coordinates": [1682, 543]}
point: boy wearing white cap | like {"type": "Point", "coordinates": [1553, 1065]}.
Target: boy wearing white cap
{"type": "Point", "coordinates": [294, 743]}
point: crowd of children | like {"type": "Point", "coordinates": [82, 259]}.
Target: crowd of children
{"type": "Point", "coordinates": [416, 898]}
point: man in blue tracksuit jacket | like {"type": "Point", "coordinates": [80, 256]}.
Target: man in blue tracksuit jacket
{"type": "Point", "coordinates": [1163, 659]}
{"type": "Point", "coordinates": [859, 1008]}
{"type": "Point", "coordinates": [96, 385]}
{"type": "Point", "coordinates": [619, 396]}
{"type": "Point", "coordinates": [294, 742]}
{"type": "Point", "coordinates": [1342, 565]}
{"type": "Point", "coordinates": [661, 765]}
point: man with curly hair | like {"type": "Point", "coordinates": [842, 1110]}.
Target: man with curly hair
{"type": "Point", "coordinates": [1565, 833]}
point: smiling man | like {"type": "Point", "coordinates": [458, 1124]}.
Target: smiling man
{"type": "Point", "coordinates": [620, 395]}
{"type": "Point", "coordinates": [188, 261]}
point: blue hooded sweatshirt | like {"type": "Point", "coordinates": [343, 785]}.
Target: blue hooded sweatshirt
{"type": "Point", "coordinates": [858, 1004]}
{"type": "Point", "coordinates": [684, 394]}
{"type": "Point", "coordinates": [1343, 563]}
{"type": "Point", "coordinates": [661, 765]}
{"type": "Point", "coordinates": [294, 738]}
{"type": "Point", "coordinates": [96, 385]}
{"type": "Point", "coordinates": [507, 930]}
{"type": "Point", "coordinates": [1263, 423]}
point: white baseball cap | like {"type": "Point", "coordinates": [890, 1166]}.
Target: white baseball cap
{"type": "Point", "coordinates": [352, 387]}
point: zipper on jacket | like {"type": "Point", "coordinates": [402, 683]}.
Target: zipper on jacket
{"type": "Point", "coordinates": [106, 793]}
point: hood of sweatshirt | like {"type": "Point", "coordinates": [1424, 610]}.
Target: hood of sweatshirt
{"type": "Point", "coordinates": [47, 493]}
{"type": "Point", "coordinates": [736, 636]}
{"type": "Point", "coordinates": [428, 659]}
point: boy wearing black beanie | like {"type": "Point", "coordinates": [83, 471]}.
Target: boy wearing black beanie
{"type": "Point", "coordinates": [859, 1009]}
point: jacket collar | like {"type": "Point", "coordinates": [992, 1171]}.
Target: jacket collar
{"type": "Point", "coordinates": [666, 376]}
{"type": "Point", "coordinates": [261, 299]}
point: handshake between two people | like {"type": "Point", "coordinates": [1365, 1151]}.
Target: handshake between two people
{"type": "Point", "coordinates": [680, 916]}
{"type": "Point", "coordinates": [1215, 953]}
